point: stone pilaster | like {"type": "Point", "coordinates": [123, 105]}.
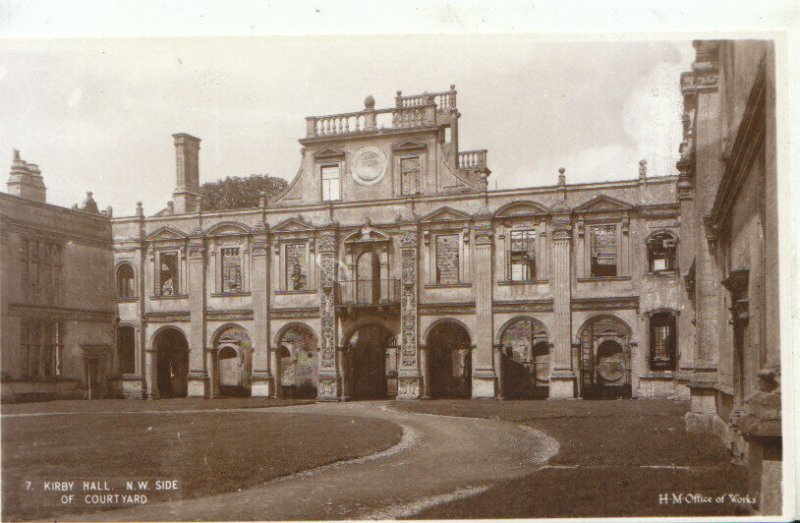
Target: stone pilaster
{"type": "Point", "coordinates": [408, 376]}
{"type": "Point", "coordinates": [151, 373]}
{"type": "Point", "coordinates": [485, 382]}
{"type": "Point", "coordinates": [329, 384]}
{"type": "Point", "coordinates": [262, 380]}
{"type": "Point", "coordinates": [198, 385]}
{"type": "Point", "coordinates": [562, 374]}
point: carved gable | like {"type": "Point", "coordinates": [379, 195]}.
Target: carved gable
{"type": "Point", "coordinates": [293, 225]}
{"type": "Point", "coordinates": [521, 209]}
{"type": "Point", "coordinates": [446, 214]}
{"type": "Point", "coordinates": [166, 233]}
{"type": "Point", "coordinates": [603, 203]}
{"type": "Point", "coordinates": [409, 146]}
{"type": "Point", "coordinates": [228, 228]}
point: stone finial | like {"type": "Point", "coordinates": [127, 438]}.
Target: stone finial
{"type": "Point", "coordinates": [369, 103]}
{"type": "Point", "coordinates": [562, 178]}
{"type": "Point", "coordinates": [139, 210]}
{"type": "Point", "coordinates": [642, 168]}
{"type": "Point", "coordinates": [17, 157]}
{"type": "Point", "coordinates": [89, 204]}
{"type": "Point", "coordinates": [109, 211]}
{"type": "Point", "coordinates": [171, 206]}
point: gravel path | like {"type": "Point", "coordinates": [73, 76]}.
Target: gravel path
{"type": "Point", "coordinates": [439, 458]}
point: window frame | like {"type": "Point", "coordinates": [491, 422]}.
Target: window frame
{"type": "Point", "coordinates": [593, 265]}
{"type": "Point", "coordinates": [437, 276]}
{"type": "Point", "coordinates": [239, 256]}
{"type": "Point", "coordinates": [322, 167]}
{"type": "Point", "coordinates": [670, 254]}
{"type": "Point", "coordinates": [528, 239]}
{"type": "Point", "coordinates": [122, 293]}
{"type": "Point", "coordinates": [287, 286]}
{"type": "Point", "coordinates": [176, 276]}
{"type": "Point", "coordinates": [418, 178]}
{"type": "Point", "coordinates": [668, 320]}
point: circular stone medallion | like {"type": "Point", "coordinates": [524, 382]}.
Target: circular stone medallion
{"type": "Point", "coordinates": [368, 166]}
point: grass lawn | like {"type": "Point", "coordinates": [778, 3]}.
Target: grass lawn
{"type": "Point", "coordinates": [207, 452]}
{"type": "Point", "coordinates": [613, 444]}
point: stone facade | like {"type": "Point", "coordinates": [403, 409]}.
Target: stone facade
{"type": "Point", "coordinates": [435, 274]}
{"type": "Point", "coordinates": [56, 317]}
{"type": "Point", "coordinates": [728, 193]}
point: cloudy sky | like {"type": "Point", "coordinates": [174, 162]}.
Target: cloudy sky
{"type": "Point", "coordinates": [99, 114]}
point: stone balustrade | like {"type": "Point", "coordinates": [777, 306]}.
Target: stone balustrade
{"type": "Point", "coordinates": [470, 160]}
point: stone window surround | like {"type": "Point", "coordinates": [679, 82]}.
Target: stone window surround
{"type": "Point", "coordinates": [243, 245]}
{"type": "Point", "coordinates": [156, 253]}
{"type": "Point", "coordinates": [503, 229]}
{"type": "Point", "coordinates": [339, 164]}
{"type": "Point", "coordinates": [675, 352]}
{"type": "Point", "coordinates": [463, 258]}
{"type": "Point", "coordinates": [280, 283]}
{"type": "Point", "coordinates": [583, 254]}
{"type": "Point", "coordinates": [135, 295]}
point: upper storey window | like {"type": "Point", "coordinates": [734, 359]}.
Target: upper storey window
{"type": "Point", "coordinates": [447, 263]}
{"type": "Point", "coordinates": [296, 266]}
{"type": "Point", "coordinates": [410, 175]}
{"type": "Point", "coordinates": [604, 250]}
{"type": "Point", "coordinates": [331, 182]}
{"type": "Point", "coordinates": [125, 287]}
{"type": "Point", "coordinates": [231, 270]}
{"type": "Point", "coordinates": [523, 255]}
{"type": "Point", "coordinates": [661, 250]}
{"type": "Point", "coordinates": [168, 274]}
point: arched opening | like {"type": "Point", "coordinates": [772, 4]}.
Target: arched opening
{"type": "Point", "coordinates": [449, 361]}
{"type": "Point", "coordinates": [368, 284]}
{"type": "Point", "coordinates": [172, 364]}
{"type": "Point", "coordinates": [365, 350]}
{"type": "Point", "coordinates": [298, 361]}
{"type": "Point", "coordinates": [234, 361]}
{"type": "Point", "coordinates": [661, 252]}
{"type": "Point", "coordinates": [125, 288]}
{"type": "Point", "coordinates": [126, 350]}
{"type": "Point", "coordinates": [605, 358]}
{"type": "Point", "coordinates": [526, 367]}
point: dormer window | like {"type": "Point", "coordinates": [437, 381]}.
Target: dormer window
{"type": "Point", "coordinates": [331, 182]}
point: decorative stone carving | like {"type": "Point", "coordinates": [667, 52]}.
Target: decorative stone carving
{"type": "Point", "coordinates": [196, 250]}
{"type": "Point", "coordinates": [326, 388]}
{"type": "Point", "coordinates": [327, 242]}
{"type": "Point", "coordinates": [368, 165]}
{"type": "Point", "coordinates": [409, 239]}
{"type": "Point", "coordinates": [484, 237]}
{"type": "Point", "coordinates": [561, 227]}
{"type": "Point", "coordinates": [408, 388]}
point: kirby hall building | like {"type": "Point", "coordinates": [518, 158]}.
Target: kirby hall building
{"type": "Point", "coordinates": [388, 269]}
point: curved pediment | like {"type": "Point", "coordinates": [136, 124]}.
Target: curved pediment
{"type": "Point", "coordinates": [603, 203]}
{"type": "Point", "coordinates": [522, 208]}
{"type": "Point", "coordinates": [228, 227]}
{"type": "Point", "coordinates": [367, 235]}
{"type": "Point", "coordinates": [165, 233]}
{"type": "Point", "coordinates": [446, 214]}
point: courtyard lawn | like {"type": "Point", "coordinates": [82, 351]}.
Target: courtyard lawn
{"type": "Point", "coordinates": [616, 457]}
{"type": "Point", "coordinates": [207, 452]}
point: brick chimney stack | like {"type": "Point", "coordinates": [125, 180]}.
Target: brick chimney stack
{"type": "Point", "coordinates": [187, 158]}
{"type": "Point", "coordinates": [25, 180]}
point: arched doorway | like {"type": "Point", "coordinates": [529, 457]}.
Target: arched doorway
{"type": "Point", "coordinates": [365, 353]}
{"type": "Point", "coordinates": [449, 360]}
{"type": "Point", "coordinates": [605, 358]}
{"type": "Point", "coordinates": [172, 363]}
{"type": "Point", "coordinates": [526, 367]}
{"type": "Point", "coordinates": [234, 361]}
{"type": "Point", "coordinates": [298, 362]}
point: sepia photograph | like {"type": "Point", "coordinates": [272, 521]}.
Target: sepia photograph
{"type": "Point", "coordinates": [433, 275]}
